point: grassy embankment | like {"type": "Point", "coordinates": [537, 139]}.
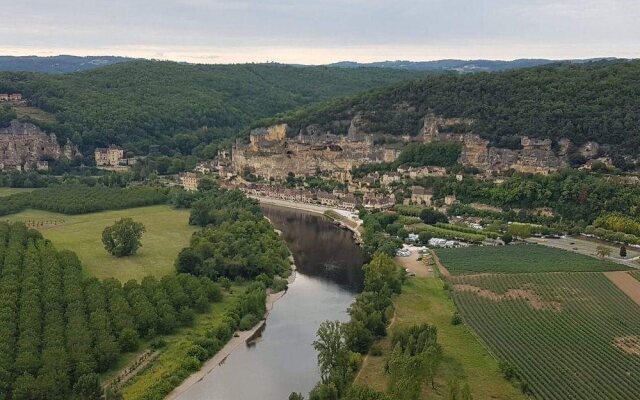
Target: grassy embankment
{"type": "Point", "coordinates": [167, 232]}
{"type": "Point", "coordinates": [423, 300]}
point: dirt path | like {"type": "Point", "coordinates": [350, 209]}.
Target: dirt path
{"type": "Point", "coordinates": [627, 283]}
{"type": "Point", "coordinates": [443, 271]}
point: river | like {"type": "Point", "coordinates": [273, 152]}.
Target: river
{"type": "Point", "coordinates": [282, 360]}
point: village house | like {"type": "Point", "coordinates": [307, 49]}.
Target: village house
{"type": "Point", "coordinates": [421, 172]}
{"type": "Point", "coordinates": [10, 97]}
{"type": "Point", "coordinates": [42, 165]}
{"type": "Point", "coordinates": [189, 181]}
{"type": "Point", "coordinates": [110, 156]}
{"type": "Point", "coordinates": [202, 168]}
{"type": "Point", "coordinates": [349, 202]}
{"type": "Point", "coordinates": [390, 177]}
{"type": "Point", "coordinates": [421, 196]}
{"type": "Point", "coordinates": [327, 199]}
{"type": "Point", "coordinates": [372, 201]}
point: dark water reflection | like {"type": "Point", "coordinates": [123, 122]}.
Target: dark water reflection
{"type": "Point", "coordinates": [282, 360]}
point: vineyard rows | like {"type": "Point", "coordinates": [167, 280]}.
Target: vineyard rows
{"type": "Point", "coordinates": [574, 351]}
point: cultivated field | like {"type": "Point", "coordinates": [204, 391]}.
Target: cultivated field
{"type": "Point", "coordinates": [4, 191]}
{"type": "Point", "coordinates": [424, 300]}
{"type": "Point", "coordinates": [520, 259]}
{"type": "Point", "coordinates": [167, 233]}
{"type": "Point", "coordinates": [567, 335]}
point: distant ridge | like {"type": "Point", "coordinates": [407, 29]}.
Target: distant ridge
{"type": "Point", "coordinates": [460, 65]}
{"type": "Point", "coordinates": [57, 64]}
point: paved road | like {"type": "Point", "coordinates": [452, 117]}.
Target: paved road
{"type": "Point", "coordinates": [588, 247]}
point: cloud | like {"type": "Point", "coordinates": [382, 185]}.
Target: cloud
{"type": "Point", "coordinates": [217, 29]}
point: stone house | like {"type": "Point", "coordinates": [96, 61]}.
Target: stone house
{"type": "Point", "coordinates": [327, 199]}
{"type": "Point", "coordinates": [110, 156]}
{"type": "Point", "coordinates": [349, 202]}
{"type": "Point", "coordinates": [421, 196]}
{"type": "Point", "coordinates": [4, 97]}
{"type": "Point", "coordinates": [15, 97]}
{"type": "Point", "coordinates": [390, 177]}
{"type": "Point", "coordinates": [189, 181]}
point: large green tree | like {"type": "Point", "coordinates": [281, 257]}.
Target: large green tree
{"type": "Point", "coordinates": [123, 238]}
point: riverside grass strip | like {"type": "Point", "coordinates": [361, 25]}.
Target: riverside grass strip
{"type": "Point", "coordinates": [566, 335]}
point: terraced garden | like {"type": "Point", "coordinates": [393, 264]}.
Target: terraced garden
{"type": "Point", "coordinates": [520, 259]}
{"type": "Point", "coordinates": [563, 335]}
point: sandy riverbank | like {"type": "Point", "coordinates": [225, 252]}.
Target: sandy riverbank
{"type": "Point", "coordinates": [241, 337]}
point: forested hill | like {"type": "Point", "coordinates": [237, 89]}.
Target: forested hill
{"type": "Point", "coordinates": [141, 103]}
{"type": "Point", "coordinates": [597, 101]}
{"type": "Point", "coordinates": [56, 64]}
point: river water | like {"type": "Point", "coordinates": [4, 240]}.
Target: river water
{"type": "Point", "coordinates": [282, 360]}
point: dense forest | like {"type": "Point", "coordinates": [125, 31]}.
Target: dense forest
{"type": "Point", "coordinates": [82, 199]}
{"type": "Point", "coordinates": [596, 101]}
{"type": "Point", "coordinates": [236, 241]}
{"type": "Point", "coordinates": [58, 328]}
{"type": "Point", "coordinates": [141, 104]}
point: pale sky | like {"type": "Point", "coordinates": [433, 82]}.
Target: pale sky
{"type": "Point", "coordinates": [322, 31]}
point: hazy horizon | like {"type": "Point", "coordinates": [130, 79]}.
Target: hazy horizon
{"type": "Point", "coordinates": [322, 32]}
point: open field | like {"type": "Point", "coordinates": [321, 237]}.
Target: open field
{"type": "Point", "coordinates": [425, 300]}
{"type": "Point", "coordinates": [520, 259]}
{"type": "Point", "coordinates": [167, 233]}
{"type": "Point", "coordinates": [567, 335]}
{"type": "Point", "coordinates": [34, 113]}
{"type": "Point", "coordinates": [5, 191]}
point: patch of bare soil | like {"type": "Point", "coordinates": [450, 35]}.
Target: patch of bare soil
{"type": "Point", "coordinates": [532, 298]}
{"type": "Point", "coordinates": [627, 283]}
{"type": "Point", "coordinates": [628, 344]}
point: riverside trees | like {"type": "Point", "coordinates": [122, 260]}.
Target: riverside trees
{"type": "Point", "coordinates": [236, 240]}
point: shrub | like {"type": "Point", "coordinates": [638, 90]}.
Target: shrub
{"type": "Point", "coordinates": [247, 322]}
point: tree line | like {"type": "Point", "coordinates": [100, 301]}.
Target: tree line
{"type": "Point", "coordinates": [58, 328]}
{"type": "Point", "coordinates": [82, 199]}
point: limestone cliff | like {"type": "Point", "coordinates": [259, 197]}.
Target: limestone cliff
{"type": "Point", "coordinates": [23, 144]}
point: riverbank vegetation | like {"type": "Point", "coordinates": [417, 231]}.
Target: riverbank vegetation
{"type": "Point", "coordinates": [463, 360]}
{"type": "Point", "coordinates": [236, 241]}
{"type": "Point", "coordinates": [184, 353]}
{"type": "Point", "coordinates": [60, 328]}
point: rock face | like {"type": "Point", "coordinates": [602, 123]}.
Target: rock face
{"type": "Point", "coordinates": [23, 144]}
{"type": "Point", "coordinates": [271, 154]}
{"type": "Point", "coordinates": [536, 156]}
